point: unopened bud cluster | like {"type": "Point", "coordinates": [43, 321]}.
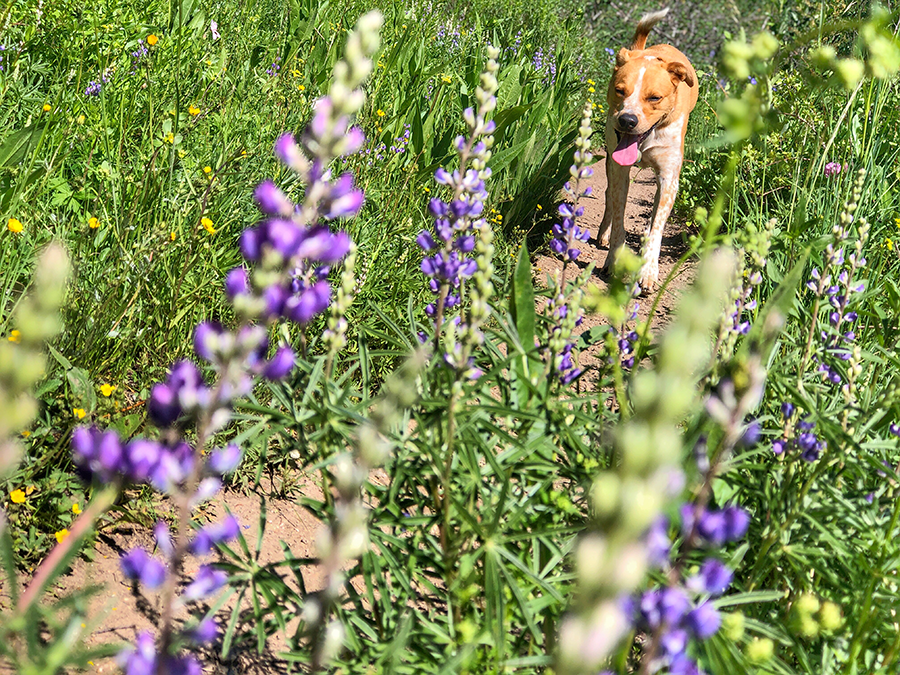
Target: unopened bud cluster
{"type": "Point", "coordinates": [22, 361]}
{"type": "Point", "coordinates": [628, 498]}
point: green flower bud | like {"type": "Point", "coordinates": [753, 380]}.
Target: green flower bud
{"type": "Point", "coordinates": [823, 57]}
{"type": "Point", "coordinates": [830, 617]}
{"type": "Point", "coordinates": [806, 605]}
{"type": "Point", "coordinates": [849, 72]}
{"type": "Point", "coordinates": [806, 626]}
{"type": "Point", "coordinates": [733, 626]}
{"type": "Point", "coordinates": [759, 651]}
{"type": "Point", "coordinates": [605, 495]}
{"type": "Point", "coordinates": [735, 58]}
{"type": "Point", "coordinates": [765, 45]}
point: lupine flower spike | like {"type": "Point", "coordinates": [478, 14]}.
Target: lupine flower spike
{"type": "Point", "coordinates": [288, 255]}
{"type": "Point", "coordinates": [565, 303]}
{"type": "Point", "coordinates": [460, 228]}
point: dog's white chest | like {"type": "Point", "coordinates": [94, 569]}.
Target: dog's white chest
{"type": "Point", "coordinates": [662, 146]}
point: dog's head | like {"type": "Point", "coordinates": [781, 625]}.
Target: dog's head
{"type": "Point", "coordinates": [641, 95]}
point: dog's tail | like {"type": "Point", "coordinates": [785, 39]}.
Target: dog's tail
{"type": "Point", "coordinates": [644, 26]}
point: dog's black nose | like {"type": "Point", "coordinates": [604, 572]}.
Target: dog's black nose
{"type": "Point", "coordinates": [628, 121]}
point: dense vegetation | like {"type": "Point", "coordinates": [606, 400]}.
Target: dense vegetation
{"type": "Point", "coordinates": [721, 496]}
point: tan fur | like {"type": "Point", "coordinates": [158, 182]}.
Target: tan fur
{"type": "Point", "coordinates": [655, 89]}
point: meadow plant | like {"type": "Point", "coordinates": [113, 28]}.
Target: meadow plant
{"type": "Point", "coordinates": [677, 486]}
{"type": "Point", "coordinates": [459, 228]}
{"type": "Point", "coordinates": [564, 308]}
{"type": "Point", "coordinates": [22, 362]}
{"type": "Point", "coordinates": [612, 558]}
{"type": "Point", "coordinates": [288, 254]}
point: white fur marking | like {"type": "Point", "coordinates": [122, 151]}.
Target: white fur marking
{"type": "Point", "coordinates": [632, 104]}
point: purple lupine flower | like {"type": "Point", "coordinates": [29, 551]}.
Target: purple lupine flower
{"type": "Point", "coordinates": [142, 658]}
{"type": "Point", "coordinates": [281, 364]}
{"type": "Point", "coordinates": [138, 565]}
{"type": "Point", "coordinates": [704, 620]}
{"type": "Point", "coordinates": [736, 522]}
{"type": "Point", "coordinates": [658, 544]}
{"type": "Point", "coordinates": [215, 533]}
{"type": "Point", "coordinates": [226, 459]}
{"type": "Point", "coordinates": [290, 154]}
{"type": "Point", "coordinates": [236, 283]}
{"type": "Point", "coordinates": [713, 578]}
{"type": "Point", "coordinates": [163, 539]}
{"type": "Point", "coordinates": [272, 200]}
{"type": "Point", "coordinates": [205, 632]}
{"type": "Point", "coordinates": [207, 581]}
{"type": "Point", "coordinates": [684, 665]}
{"type": "Point", "coordinates": [750, 436]}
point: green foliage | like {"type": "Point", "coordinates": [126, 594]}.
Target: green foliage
{"type": "Point", "coordinates": [476, 515]}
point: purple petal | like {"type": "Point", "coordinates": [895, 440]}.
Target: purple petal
{"type": "Point", "coordinates": [273, 201]}
{"type": "Point", "coordinates": [280, 365]}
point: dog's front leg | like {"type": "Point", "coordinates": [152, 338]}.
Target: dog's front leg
{"type": "Point", "coordinates": [667, 182]}
{"type": "Point", "coordinates": [612, 228]}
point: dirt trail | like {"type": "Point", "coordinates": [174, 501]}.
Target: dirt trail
{"type": "Point", "coordinates": [637, 217]}
{"type": "Point", "coordinates": [118, 615]}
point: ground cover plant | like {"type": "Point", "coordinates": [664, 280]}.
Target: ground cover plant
{"type": "Point", "coordinates": [297, 267]}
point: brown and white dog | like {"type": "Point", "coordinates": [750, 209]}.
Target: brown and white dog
{"type": "Point", "coordinates": [650, 96]}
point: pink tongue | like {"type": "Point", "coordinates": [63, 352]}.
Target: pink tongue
{"type": "Point", "coordinates": [626, 153]}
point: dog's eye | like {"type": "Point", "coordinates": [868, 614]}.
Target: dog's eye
{"type": "Point", "coordinates": [654, 99]}
{"type": "Point", "coordinates": [620, 91]}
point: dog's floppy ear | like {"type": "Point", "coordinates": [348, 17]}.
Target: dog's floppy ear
{"type": "Point", "coordinates": [680, 73]}
{"type": "Point", "coordinates": [623, 57]}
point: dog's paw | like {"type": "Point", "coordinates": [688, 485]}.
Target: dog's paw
{"type": "Point", "coordinates": [603, 237]}
{"type": "Point", "coordinates": [648, 281]}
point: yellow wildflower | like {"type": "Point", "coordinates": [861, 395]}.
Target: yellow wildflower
{"type": "Point", "coordinates": [380, 112]}
{"type": "Point", "coordinates": [591, 82]}
{"type": "Point", "coordinates": [446, 78]}
{"type": "Point", "coordinates": [15, 336]}
{"type": "Point", "coordinates": [193, 110]}
{"type": "Point", "coordinates": [172, 236]}
{"type": "Point", "coordinates": [17, 497]}
{"type": "Point", "coordinates": [61, 535]}
{"type": "Point", "coordinates": [76, 509]}
{"type": "Point", "coordinates": [29, 490]}
{"type": "Point", "coordinates": [79, 413]}
{"type": "Point", "coordinates": [14, 225]}
{"type": "Point", "coordinates": [889, 245]}
{"type": "Point", "coordinates": [93, 223]}
{"type": "Point", "coordinates": [107, 389]}
{"type": "Point", "coordinates": [300, 87]}
{"type": "Point", "coordinates": [897, 223]}
{"type": "Point", "coordinates": [591, 90]}
{"type": "Point", "coordinates": [207, 225]}
{"type": "Point", "coordinates": [540, 208]}
{"type": "Point", "coordinates": [152, 39]}
{"type": "Point", "coordinates": [295, 72]}
{"type": "Point", "coordinates": [169, 137]}
{"type": "Point", "coordinates": [207, 170]}
{"type": "Point", "coordinates": [47, 107]}
{"type": "Point", "coordinates": [26, 433]}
